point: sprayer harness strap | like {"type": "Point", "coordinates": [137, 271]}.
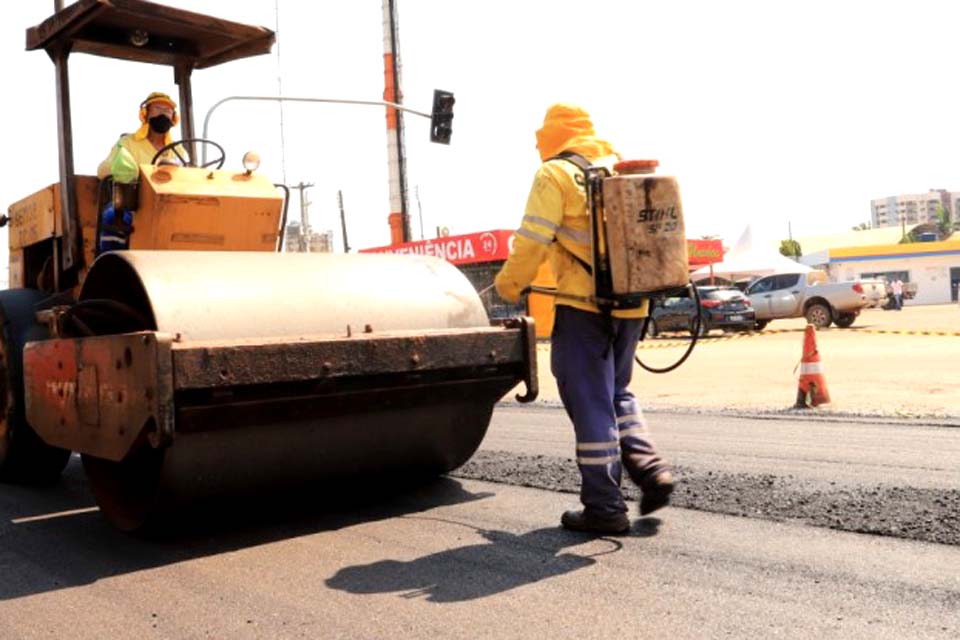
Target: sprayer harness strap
{"type": "Point", "coordinates": [573, 158]}
{"type": "Point", "coordinates": [606, 310]}
{"type": "Point", "coordinates": [583, 164]}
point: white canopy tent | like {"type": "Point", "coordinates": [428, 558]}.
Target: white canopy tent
{"type": "Point", "coordinates": [744, 260]}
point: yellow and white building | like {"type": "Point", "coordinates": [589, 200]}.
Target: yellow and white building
{"type": "Point", "coordinates": [877, 253]}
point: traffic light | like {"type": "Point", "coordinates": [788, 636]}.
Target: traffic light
{"type": "Point", "coordinates": [441, 118]}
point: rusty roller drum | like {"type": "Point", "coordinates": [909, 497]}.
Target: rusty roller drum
{"type": "Point", "coordinates": [196, 375]}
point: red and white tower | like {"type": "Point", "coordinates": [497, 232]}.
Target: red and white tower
{"type": "Point", "coordinates": [396, 160]}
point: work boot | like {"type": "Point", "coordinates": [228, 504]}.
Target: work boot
{"type": "Point", "coordinates": [656, 492]}
{"type": "Point", "coordinates": [591, 521]}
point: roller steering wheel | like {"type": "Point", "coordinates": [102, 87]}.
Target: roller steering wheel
{"type": "Point", "coordinates": [173, 146]}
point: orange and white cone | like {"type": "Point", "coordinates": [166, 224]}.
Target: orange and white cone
{"type": "Point", "coordinates": [812, 388]}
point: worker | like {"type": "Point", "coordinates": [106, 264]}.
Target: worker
{"type": "Point", "coordinates": [592, 348]}
{"type": "Point", "coordinates": [158, 114]}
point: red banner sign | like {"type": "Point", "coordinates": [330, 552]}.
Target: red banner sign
{"type": "Point", "coordinates": [703, 252]}
{"type": "Point", "coordinates": [492, 246]}
{"type": "Point", "coordinates": [487, 246]}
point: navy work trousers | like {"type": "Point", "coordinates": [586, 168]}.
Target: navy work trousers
{"type": "Point", "coordinates": [592, 360]}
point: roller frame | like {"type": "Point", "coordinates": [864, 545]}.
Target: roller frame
{"type": "Point", "coordinates": [106, 396]}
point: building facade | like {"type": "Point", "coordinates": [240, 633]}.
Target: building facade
{"type": "Point", "coordinates": [912, 209]}
{"type": "Point", "coordinates": [933, 266]}
{"type": "Point", "coordinates": [298, 239]}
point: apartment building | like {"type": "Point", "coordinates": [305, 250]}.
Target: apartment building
{"type": "Point", "coordinates": [911, 209]}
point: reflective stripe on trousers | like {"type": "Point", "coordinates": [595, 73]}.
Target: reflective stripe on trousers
{"type": "Point", "coordinates": [592, 377]}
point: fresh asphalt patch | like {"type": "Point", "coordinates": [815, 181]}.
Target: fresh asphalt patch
{"type": "Point", "coordinates": [929, 515]}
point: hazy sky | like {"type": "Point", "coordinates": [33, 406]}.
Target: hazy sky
{"type": "Point", "coordinates": [768, 113]}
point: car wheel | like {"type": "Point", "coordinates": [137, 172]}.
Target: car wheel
{"type": "Point", "coordinates": [700, 330]}
{"type": "Point", "coordinates": [845, 320]}
{"type": "Point", "coordinates": [760, 325]}
{"type": "Point", "coordinates": [819, 315]}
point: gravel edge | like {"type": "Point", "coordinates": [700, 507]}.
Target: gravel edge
{"type": "Point", "coordinates": [786, 413]}
{"type": "Point", "coordinates": [928, 515]}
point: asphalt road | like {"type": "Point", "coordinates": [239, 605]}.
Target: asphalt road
{"type": "Point", "coordinates": [465, 558]}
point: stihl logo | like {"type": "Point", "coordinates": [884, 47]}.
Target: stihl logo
{"type": "Point", "coordinates": [656, 215]}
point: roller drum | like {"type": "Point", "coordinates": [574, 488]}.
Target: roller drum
{"type": "Point", "coordinates": [272, 437]}
{"type": "Point", "coordinates": [243, 295]}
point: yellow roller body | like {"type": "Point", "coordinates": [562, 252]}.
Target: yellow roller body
{"type": "Point", "coordinates": [203, 374]}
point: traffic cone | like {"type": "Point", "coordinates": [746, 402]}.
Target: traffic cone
{"type": "Point", "coordinates": [812, 388]}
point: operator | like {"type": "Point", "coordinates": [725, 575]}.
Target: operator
{"type": "Point", "coordinates": [158, 114]}
{"type": "Point", "coordinates": [592, 349]}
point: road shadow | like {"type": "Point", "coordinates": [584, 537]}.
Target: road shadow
{"type": "Point", "coordinates": [55, 538]}
{"type": "Point", "coordinates": [502, 562]}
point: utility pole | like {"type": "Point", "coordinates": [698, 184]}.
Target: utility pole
{"type": "Point", "coordinates": [305, 230]}
{"type": "Point", "coordinates": [416, 190]}
{"type": "Point", "coordinates": [305, 207]}
{"type": "Point", "coordinates": [343, 222]}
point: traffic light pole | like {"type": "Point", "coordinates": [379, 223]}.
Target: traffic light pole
{"type": "Point", "coordinates": [375, 103]}
{"type": "Point", "coordinates": [441, 120]}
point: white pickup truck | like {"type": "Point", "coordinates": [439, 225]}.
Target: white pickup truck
{"type": "Point", "coordinates": [880, 293]}
{"type": "Point", "coordinates": [809, 295]}
{"type": "Point", "coordinates": [875, 290]}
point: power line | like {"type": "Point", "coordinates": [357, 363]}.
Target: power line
{"type": "Point", "coordinates": [283, 140]}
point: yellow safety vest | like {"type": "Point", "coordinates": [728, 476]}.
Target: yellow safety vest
{"type": "Point", "coordinates": [142, 151]}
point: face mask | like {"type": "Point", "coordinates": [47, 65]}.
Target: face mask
{"type": "Point", "coordinates": [160, 124]}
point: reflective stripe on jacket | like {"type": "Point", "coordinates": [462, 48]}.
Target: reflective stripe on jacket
{"type": "Point", "coordinates": [556, 225]}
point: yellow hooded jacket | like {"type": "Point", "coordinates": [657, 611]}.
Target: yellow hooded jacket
{"type": "Point", "coordinates": [556, 223]}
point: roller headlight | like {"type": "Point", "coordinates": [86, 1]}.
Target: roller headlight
{"type": "Point", "coordinates": [251, 161]}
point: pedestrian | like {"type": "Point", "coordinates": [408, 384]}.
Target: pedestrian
{"type": "Point", "coordinates": [592, 348]}
{"type": "Point", "coordinates": [897, 288]}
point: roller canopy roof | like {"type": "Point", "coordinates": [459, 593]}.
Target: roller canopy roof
{"type": "Point", "coordinates": [148, 32]}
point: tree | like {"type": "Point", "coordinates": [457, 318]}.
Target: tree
{"type": "Point", "coordinates": [943, 222]}
{"type": "Point", "coordinates": [790, 248]}
{"type": "Point", "coordinates": [863, 226]}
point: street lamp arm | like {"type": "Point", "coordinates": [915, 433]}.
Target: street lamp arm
{"type": "Point", "coordinates": [376, 103]}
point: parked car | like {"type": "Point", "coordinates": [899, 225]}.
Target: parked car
{"type": "Point", "coordinates": [806, 295]}
{"type": "Point", "coordinates": [724, 308]}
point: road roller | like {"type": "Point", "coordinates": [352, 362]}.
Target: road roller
{"type": "Point", "coordinates": [200, 361]}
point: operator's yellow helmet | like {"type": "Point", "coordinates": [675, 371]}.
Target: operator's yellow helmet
{"type": "Point", "coordinates": [157, 97]}
{"type": "Point", "coordinates": [162, 98]}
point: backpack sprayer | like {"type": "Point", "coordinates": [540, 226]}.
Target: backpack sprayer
{"type": "Point", "coordinates": [638, 240]}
